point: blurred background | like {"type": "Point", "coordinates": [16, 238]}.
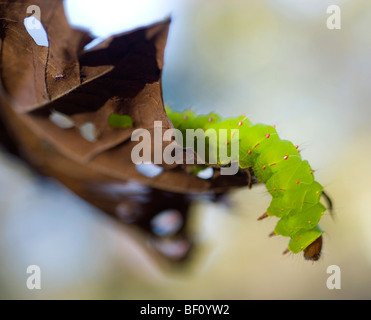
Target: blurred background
{"type": "Point", "coordinates": [274, 60]}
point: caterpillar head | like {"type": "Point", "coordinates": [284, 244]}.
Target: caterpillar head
{"type": "Point", "coordinates": [313, 251]}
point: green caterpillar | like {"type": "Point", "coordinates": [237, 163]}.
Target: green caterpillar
{"type": "Point", "coordinates": [277, 163]}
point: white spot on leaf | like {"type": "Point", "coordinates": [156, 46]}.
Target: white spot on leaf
{"type": "Point", "coordinates": [61, 120]}
{"type": "Point", "coordinates": [172, 248]}
{"type": "Point", "coordinates": [149, 169]}
{"type": "Point", "coordinates": [167, 222]}
{"type": "Point", "coordinates": [206, 173]}
{"type": "Point", "coordinates": [128, 212]}
{"type": "Point", "coordinates": [89, 132]}
{"type": "Point", "coordinates": [36, 30]}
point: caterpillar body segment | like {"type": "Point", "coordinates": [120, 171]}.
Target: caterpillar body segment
{"type": "Point", "coordinates": [275, 162]}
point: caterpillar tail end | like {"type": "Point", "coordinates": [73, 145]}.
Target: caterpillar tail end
{"type": "Point", "coordinates": [313, 251]}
